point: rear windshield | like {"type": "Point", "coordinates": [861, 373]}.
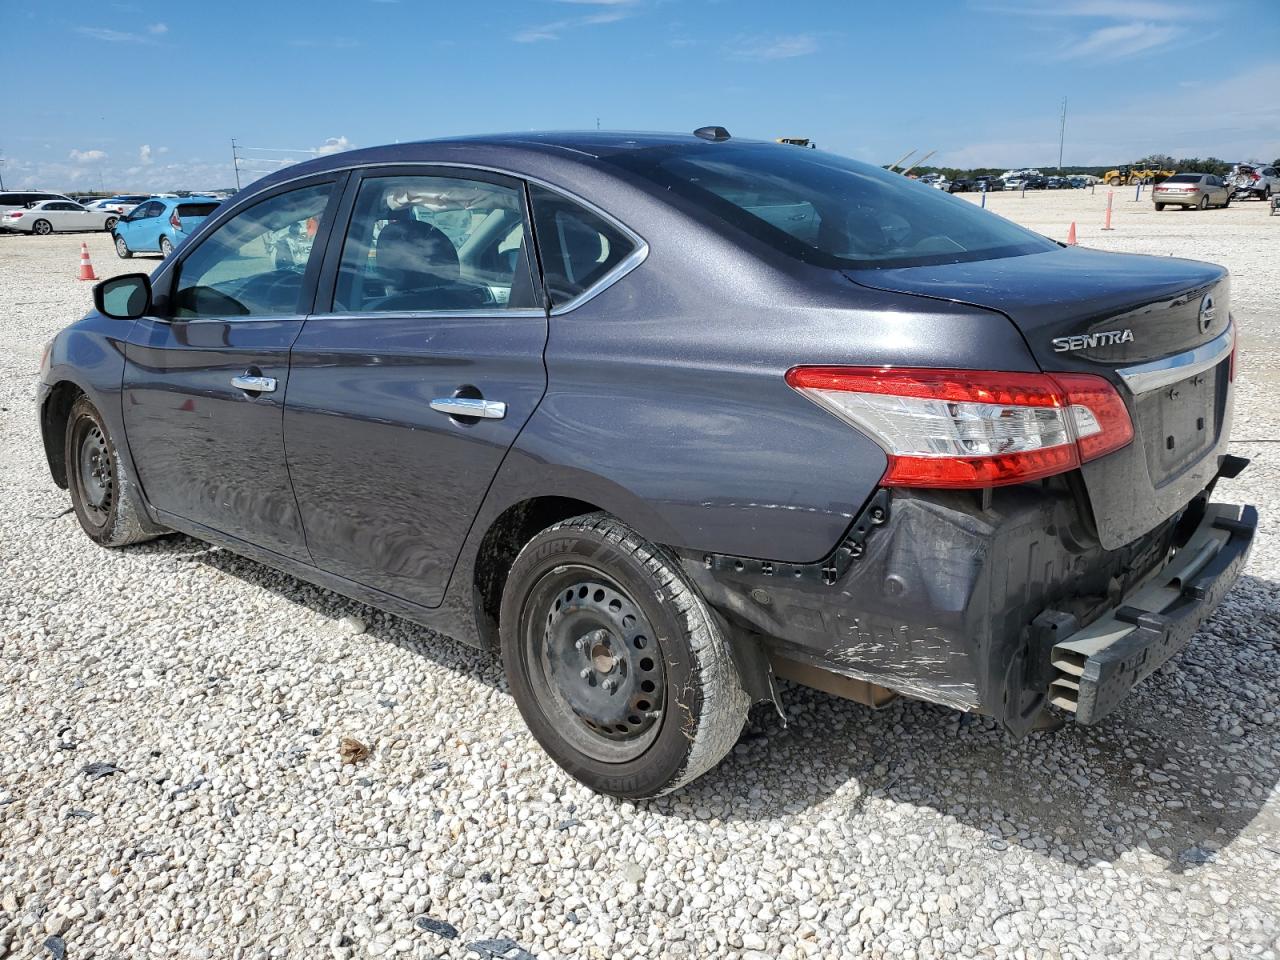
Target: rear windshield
{"type": "Point", "coordinates": [826, 210]}
{"type": "Point", "coordinates": [1185, 178]}
{"type": "Point", "coordinates": [196, 209]}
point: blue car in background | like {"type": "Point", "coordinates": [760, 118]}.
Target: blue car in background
{"type": "Point", "coordinates": [158, 225]}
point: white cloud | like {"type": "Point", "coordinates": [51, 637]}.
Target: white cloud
{"type": "Point", "coordinates": [1122, 40]}
{"type": "Point", "coordinates": [158, 29]}
{"type": "Point", "coordinates": [87, 156]}
{"type": "Point", "coordinates": [332, 145]}
{"type": "Point", "coordinates": [553, 31]}
{"type": "Point", "coordinates": [772, 48]}
{"type": "Point", "coordinates": [108, 35]}
{"type": "Point", "coordinates": [144, 153]}
{"type": "Point", "coordinates": [1106, 9]}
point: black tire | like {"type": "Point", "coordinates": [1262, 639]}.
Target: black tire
{"type": "Point", "coordinates": [122, 248]}
{"type": "Point", "coordinates": [1266, 193]}
{"type": "Point", "coordinates": [1159, 206]}
{"type": "Point", "coordinates": [166, 247]}
{"type": "Point", "coordinates": [110, 223]}
{"type": "Point", "coordinates": [1227, 202]}
{"type": "Point", "coordinates": [586, 599]}
{"type": "Point", "coordinates": [103, 493]}
{"type": "Point", "coordinates": [42, 228]}
{"type": "Point", "coordinates": [1204, 203]}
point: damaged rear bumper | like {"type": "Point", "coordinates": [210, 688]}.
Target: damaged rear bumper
{"type": "Point", "coordinates": [1097, 666]}
{"type": "Point", "coordinates": [991, 603]}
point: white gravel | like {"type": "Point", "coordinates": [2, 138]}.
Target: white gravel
{"type": "Point", "coordinates": [222, 696]}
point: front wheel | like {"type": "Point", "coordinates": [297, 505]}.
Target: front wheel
{"type": "Point", "coordinates": [102, 492]}
{"type": "Point", "coordinates": [122, 248]}
{"type": "Point", "coordinates": [166, 248]}
{"type": "Point", "coordinates": [617, 665]}
{"type": "Point", "coordinates": [42, 228]}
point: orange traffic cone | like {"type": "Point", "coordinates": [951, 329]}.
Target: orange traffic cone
{"type": "Point", "coordinates": [86, 265]}
{"type": "Point", "coordinates": [1071, 234]}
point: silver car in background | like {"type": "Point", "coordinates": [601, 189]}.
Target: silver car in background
{"type": "Point", "coordinates": [1251, 180]}
{"type": "Point", "coordinates": [1199, 190]}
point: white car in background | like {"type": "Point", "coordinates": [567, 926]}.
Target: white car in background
{"type": "Point", "coordinates": [57, 216]}
{"type": "Point", "coordinates": [120, 204]}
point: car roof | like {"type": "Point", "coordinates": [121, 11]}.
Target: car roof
{"type": "Point", "coordinates": [507, 150]}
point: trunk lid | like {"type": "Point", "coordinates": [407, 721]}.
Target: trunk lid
{"type": "Point", "coordinates": [1139, 321]}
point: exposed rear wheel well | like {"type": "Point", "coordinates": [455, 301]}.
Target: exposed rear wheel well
{"type": "Point", "coordinates": [508, 534]}
{"type": "Point", "coordinates": [53, 427]}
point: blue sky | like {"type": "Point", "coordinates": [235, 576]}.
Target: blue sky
{"type": "Point", "coordinates": [146, 95]}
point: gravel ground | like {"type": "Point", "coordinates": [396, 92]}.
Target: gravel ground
{"type": "Point", "coordinates": [174, 779]}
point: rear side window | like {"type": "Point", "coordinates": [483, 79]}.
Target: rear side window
{"type": "Point", "coordinates": [578, 247]}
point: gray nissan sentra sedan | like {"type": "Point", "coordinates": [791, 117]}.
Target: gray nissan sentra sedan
{"type": "Point", "coordinates": [659, 418]}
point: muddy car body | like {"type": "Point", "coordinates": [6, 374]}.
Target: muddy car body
{"type": "Point", "coordinates": [683, 412]}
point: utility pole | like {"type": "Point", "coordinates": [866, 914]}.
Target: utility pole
{"type": "Point", "coordinates": [1, 173]}
{"type": "Point", "coordinates": [235, 161]}
{"type": "Point", "coordinates": [1062, 132]}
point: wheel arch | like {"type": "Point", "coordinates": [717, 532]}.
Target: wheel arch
{"type": "Point", "coordinates": [502, 541]}
{"type": "Point", "coordinates": [54, 412]}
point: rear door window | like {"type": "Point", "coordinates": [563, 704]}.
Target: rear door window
{"type": "Point", "coordinates": [579, 248]}
{"type": "Point", "coordinates": [435, 243]}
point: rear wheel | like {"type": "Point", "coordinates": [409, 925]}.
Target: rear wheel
{"type": "Point", "coordinates": [166, 247]}
{"type": "Point", "coordinates": [122, 248]}
{"type": "Point", "coordinates": [1266, 193]}
{"type": "Point", "coordinates": [1204, 203]}
{"type": "Point", "coordinates": [42, 228]}
{"type": "Point", "coordinates": [110, 224]}
{"type": "Point", "coordinates": [618, 666]}
{"type": "Point", "coordinates": [1159, 206]}
{"type": "Point", "coordinates": [102, 492]}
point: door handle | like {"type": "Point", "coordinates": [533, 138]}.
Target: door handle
{"type": "Point", "coordinates": [470, 407]}
{"type": "Point", "coordinates": [252, 384]}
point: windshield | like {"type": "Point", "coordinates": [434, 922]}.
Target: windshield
{"type": "Point", "coordinates": [826, 210]}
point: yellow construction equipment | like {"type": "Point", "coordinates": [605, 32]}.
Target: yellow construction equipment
{"type": "Point", "coordinates": [1135, 173]}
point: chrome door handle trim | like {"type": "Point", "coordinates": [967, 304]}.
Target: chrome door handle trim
{"type": "Point", "coordinates": [254, 384]}
{"type": "Point", "coordinates": [470, 407]}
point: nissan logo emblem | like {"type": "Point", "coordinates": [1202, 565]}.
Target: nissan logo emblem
{"type": "Point", "coordinates": [1207, 313]}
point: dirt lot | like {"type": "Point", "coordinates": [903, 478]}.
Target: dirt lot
{"type": "Point", "coordinates": [228, 827]}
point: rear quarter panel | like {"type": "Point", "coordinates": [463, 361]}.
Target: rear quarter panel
{"type": "Point", "coordinates": [667, 390]}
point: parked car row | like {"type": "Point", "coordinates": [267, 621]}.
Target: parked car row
{"type": "Point", "coordinates": [138, 223]}
{"type": "Point", "coordinates": [1020, 181]}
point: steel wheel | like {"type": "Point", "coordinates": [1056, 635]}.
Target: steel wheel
{"type": "Point", "coordinates": [42, 228]}
{"type": "Point", "coordinates": [595, 664]}
{"type": "Point", "coordinates": [96, 472]}
{"type": "Point", "coordinates": [109, 224]}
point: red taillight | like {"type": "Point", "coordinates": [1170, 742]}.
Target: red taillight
{"type": "Point", "coordinates": [972, 428]}
{"type": "Point", "coordinates": [16, 214]}
{"type": "Point", "coordinates": [1255, 176]}
{"type": "Point", "coordinates": [175, 221]}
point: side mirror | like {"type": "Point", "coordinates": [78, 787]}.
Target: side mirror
{"type": "Point", "coordinates": [126, 297]}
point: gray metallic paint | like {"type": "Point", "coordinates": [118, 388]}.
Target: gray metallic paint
{"type": "Point", "coordinates": [665, 405]}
